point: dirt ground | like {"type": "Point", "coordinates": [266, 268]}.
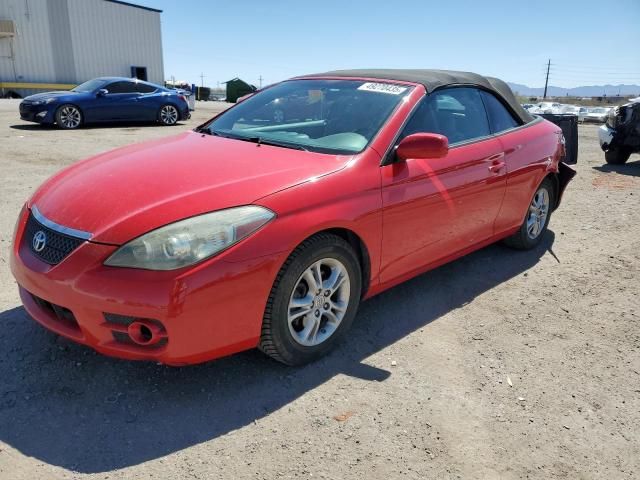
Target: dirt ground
{"type": "Point", "coordinates": [503, 364]}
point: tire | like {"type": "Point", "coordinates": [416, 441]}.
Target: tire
{"type": "Point", "coordinates": [533, 227]}
{"type": "Point", "coordinates": [617, 156]}
{"type": "Point", "coordinates": [69, 117]}
{"type": "Point", "coordinates": [284, 328]}
{"type": "Point", "coordinates": [168, 115]}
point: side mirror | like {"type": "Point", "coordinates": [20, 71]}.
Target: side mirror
{"type": "Point", "coordinates": [102, 92]}
{"type": "Point", "coordinates": [423, 145]}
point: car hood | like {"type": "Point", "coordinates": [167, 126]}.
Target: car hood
{"type": "Point", "coordinates": [46, 95]}
{"type": "Point", "coordinates": [119, 195]}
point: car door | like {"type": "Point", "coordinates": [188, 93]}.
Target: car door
{"type": "Point", "coordinates": [148, 104]}
{"type": "Point", "coordinates": [523, 159]}
{"type": "Point", "coordinates": [435, 208]}
{"type": "Point", "coordinates": [118, 104]}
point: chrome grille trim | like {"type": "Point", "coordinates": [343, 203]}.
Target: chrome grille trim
{"type": "Point", "coordinates": [71, 232]}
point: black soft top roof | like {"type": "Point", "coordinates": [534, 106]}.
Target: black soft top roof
{"type": "Point", "coordinates": [434, 79]}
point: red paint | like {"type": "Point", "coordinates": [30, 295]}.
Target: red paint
{"type": "Point", "coordinates": [410, 215]}
{"type": "Point", "coordinates": [422, 145]}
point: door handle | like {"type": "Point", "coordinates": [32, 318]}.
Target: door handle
{"type": "Point", "coordinates": [497, 163]}
{"type": "Point", "coordinates": [496, 167]}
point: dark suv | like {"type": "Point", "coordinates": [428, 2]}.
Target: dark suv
{"type": "Point", "coordinates": [620, 135]}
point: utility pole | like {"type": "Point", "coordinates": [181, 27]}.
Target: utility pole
{"type": "Point", "coordinates": [202, 77]}
{"type": "Point", "coordinates": [546, 82]}
{"type": "Point", "coordinates": [260, 78]}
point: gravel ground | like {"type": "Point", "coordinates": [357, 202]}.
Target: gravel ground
{"type": "Point", "coordinates": [503, 364]}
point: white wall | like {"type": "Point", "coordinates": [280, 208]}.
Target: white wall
{"type": "Point", "coordinates": [106, 40]}
{"type": "Point", "coordinates": [33, 59]}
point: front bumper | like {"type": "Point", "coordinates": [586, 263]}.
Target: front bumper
{"type": "Point", "coordinates": [605, 136]}
{"type": "Point", "coordinates": [37, 113]}
{"type": "Point", "coordinates": [208, 311]}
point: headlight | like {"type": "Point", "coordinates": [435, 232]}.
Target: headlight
{"type": "Point", "coordinates": [189, 241]}
{"type": "Point", "coordinates": [49, 100]}
{"type": "Point", "coordinates": [44, 102]}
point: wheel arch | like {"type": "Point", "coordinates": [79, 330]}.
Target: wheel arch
{"type": "Point", "coordinates": [358, 245]}
{"type": "Point", "coordinates": [560, 180]}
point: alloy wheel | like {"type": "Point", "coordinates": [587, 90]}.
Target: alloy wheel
{"type": "Point", "coordinates": [538, 212]}
{"type": "Point", "coordinates": [319, 302]}
{"type": "Point", "coordinates": [70, 117]}
{"type": "Point", "coordinates": [168, 115]}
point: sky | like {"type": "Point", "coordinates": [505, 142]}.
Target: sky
{"type": "Point", "coordinates": [589, 42]}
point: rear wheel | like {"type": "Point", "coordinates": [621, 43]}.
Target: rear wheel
{"type": "Point", "coordinates": [313, 301]}
{"type": "Point", "coordinates": [536, 219]}
{"type": "Point", "coordinates": [68, 117]}
{"type": "Point", "coordinates": [168, 115]}
{"type": "Point", "coordinates": [617, 156]}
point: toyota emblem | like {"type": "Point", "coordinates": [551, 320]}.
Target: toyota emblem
{"type": "Point", "coordinates": [39, 241]}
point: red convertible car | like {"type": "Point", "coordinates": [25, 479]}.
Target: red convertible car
{"type": "Point", "coordinates": [254, 231]}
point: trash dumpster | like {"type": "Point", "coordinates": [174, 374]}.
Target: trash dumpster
{"type": "Point", "coordinates": [569, 125]}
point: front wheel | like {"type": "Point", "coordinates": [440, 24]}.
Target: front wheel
{"type": "Point", "coordinates": [536, 219]}
{"type": "Point", "coordinates": [168, 115]}
{"type": "Point", "coordinates": [617, 156]}
{"type": "Point", "coordinates": [313, 301]}
{"type": "Point", "coordinates": [68, 117]}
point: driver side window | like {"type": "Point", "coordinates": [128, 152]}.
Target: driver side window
{"type": "Point", "coordinates": [457, 113]}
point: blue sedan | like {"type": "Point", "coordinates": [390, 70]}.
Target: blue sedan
{"type": "Point", "coordinates": [109, 99]}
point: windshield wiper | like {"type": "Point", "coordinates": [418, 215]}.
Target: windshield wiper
{"type": "Point", "coordinates": [204, 130]}
{"type": "Point", "coordinates": [254, 139]}
{"type": "Point", "coordinates": [274, 143]}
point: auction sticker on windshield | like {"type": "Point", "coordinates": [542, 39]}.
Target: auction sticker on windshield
{"type": "Point", "coordinates": [382, 88]}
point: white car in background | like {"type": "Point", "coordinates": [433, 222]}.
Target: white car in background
{"type": "Point", "coordinates": [549, 107]}
{"type": "Point", "coordinates": [597, 114]}
{"type": "Point", "coordinates": [570, 109]}
{"type": "Point", "coordinates": [582, 113]}
{"type": "Point", "coordinates": [531, 108]}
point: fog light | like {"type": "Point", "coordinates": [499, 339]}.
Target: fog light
{"type": "Point", "coordinates": [41, 114]}
{"type": "Point", "coordinates": [145, 333]}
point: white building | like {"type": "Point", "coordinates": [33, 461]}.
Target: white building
{"type": "Point", "coordinates": [46, 44]}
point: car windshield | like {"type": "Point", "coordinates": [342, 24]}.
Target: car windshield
{"type": "Point", "coordinates": [599, 110]}
{"type": "Point", "coordinates": [90, 86]}
{"type": "Point", "coordinates": [328, 116]}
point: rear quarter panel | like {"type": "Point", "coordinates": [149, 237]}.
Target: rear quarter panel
{"type": "Point", "coordinates": [531, 152]}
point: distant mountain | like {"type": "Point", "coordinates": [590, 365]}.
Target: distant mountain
{"type": "Point", "coordinates": [586, 91]}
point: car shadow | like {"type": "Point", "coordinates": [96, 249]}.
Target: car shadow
{"type": "Point", "coordinates": [65, 405]}
{"type": "Point", "coordinates": [29, 127]}
{"type": "Point", "coordinates": [631, 168]}
{"type": "Point", "coordinates": [91, 126]}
